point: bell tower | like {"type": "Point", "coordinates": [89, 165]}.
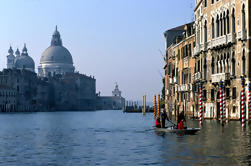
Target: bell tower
{"type": "Point", "coordinates": [10, 59]}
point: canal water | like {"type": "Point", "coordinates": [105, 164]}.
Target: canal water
{"type": "Point", "coordinates": [115, 138]}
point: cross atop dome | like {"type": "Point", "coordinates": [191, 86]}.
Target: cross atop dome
{"type": "Point", "coordinates": [56, 39]}
{"type": "Point", "coordinates": [10, 51]}
{"type": "Point", "coordinates": [24, 51]}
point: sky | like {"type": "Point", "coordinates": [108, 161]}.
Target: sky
{"type": "Point", "coordinates": [114, 40]}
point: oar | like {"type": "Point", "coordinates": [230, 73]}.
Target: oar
{"type": "Point", "coordinates": [172, 122]}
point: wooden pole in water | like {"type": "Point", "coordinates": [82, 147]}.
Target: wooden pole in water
{"type": "Point", "coordinates": [224, 106]}
{"type": "Point", "coordinates": [249, 103]}
{"type": "Point", "coordinates": [221, 102]}
{"type": "Point", "coordinates": [154, 107]}
{"type": "Point", "coordinates": [158, 105]}
{"type": "Point", "coordinates": [200, 103]}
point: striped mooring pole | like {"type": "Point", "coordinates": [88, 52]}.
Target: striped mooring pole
{"type": "Point", "coordinates": [224, 105]}
{"type": "Point", "coordinates": [243, 110]}
{"type": "Point", "coordinates": [154, 107]}
{"type": "Point", "coordinates": [221, 102]}
{"type": "Point", "coordinates": [200, 103]}
{"type": "Point", "coordinates": [249, 102]}
{"type": "Point", "coordinates": [158, 105]}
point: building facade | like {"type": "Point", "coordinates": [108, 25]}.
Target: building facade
{"type": "Point", "coordinates": [219, 53]}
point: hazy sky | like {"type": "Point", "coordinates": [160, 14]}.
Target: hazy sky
{"type": "Point", "coordinates": [114, 40]}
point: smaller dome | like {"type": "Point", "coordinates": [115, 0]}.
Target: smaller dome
{"type": "Point", "coordinates": [24, 62]}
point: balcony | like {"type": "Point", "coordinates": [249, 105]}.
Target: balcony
{"type": "Point", "coordinates": [203, 46]}
{"type": "Point", "coordinates": [242, 35]}
{"type": "Point", "coordinates": [231, 38]}
{"type": "Point", "coordinates": [222, 40]}
{"type": "Point", "coordinates": [170, 80]}
{"type": "Point", "coordinates": [196, 50]}
{"type": "Point", "coordinates": [183, 87]}
{"type": "Point", "coordinates": [220, 76]}
{"type": "Point", "coordinates": [197, 76]}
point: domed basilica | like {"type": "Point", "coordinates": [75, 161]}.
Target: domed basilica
{"type": "Point", "coordinates": [56, 59]}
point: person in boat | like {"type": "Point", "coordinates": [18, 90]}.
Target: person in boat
{"type": "Point", "coordinates": [163, 118]}
{"type": "Point", "coordinates": [181, 120]}
{"type": "Point", "coordinates": [180, 125]}
{"type": "Point", "coordinates": [157, 124]}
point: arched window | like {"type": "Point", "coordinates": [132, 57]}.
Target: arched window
{"type": "Point", "coordinates": [233, 64]}
{"type": "Point", "coordinates": [243, 17]}
{"type": "Point", "coordinates": [205, 68]}
{"type": "Point", "coordinates": [217, 26]}
{"type": "Point", "coordinates": [228, 64]}
{"type": "Point", "coordinates": [227, 22]}
{"type": "Point", "coordinates": [221, 67]}
{"type": "Point", "coordinates": [212, 65]}
{"type": "Point", "coordinates": [218, 64]}
{"type": "Point", "coordinates": [212, 28]}
{"type": "Point", "coordinates": [221, 25]}
{"type": "Point", "coordinates": [224, 24]}
{"type": "Point", "coordinates": [243, 63]}
{"type": "Point", "coordinates": [205, 31]}
{"type": "Point", "coordinates": [233, 20]}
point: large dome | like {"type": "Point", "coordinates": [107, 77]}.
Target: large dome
{"type": "Point", "coordinates": [56, 59]}
{"type": "Point", "coordinates": [56, 54]}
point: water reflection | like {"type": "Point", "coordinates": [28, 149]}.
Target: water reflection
{"type": "Point", "coordinates": [115, 138]}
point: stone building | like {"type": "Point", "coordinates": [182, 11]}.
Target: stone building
{"type": "Point", "coordinates": [72, 92]}
{"type": "Point", "coordinates": [24, 84]}
{"type": "Point", "coordinates": [180, 69]}
{"type": "Point", "coordinates": [7, 98]}
{"type": "Point", "coordinates": [114, 102]}
{"type": "Point", "coordinates": [220, 53]}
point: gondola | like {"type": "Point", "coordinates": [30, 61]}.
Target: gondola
{"type": "Point", "coordinates": [187, 131]}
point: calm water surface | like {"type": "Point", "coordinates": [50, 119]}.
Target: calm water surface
{"type": "Point", "coordinates": [115, 138]}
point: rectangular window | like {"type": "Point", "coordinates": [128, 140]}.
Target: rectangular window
{"type": "Point", "coordinates": [181, 96]}
{"type": "Point", "coordinates": [205, 3]}
{"type": "Point", "coordinates": [205, 94]}
{"type": "Point", "coordinates": [234, 93]}
{"type": "Point", "coordinates": [227, 93]}
{"type": "Point", "coordinates": [212, 1]}
{"type": "Point", "coordinates": [234, 109]}
{"type": "Point", "coordinates": [212, 94]}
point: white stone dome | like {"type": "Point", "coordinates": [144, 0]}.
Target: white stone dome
{"type": "Point", "coordinates": [56, 54]}
{"type": "Point", "coordinates": [56, 59]}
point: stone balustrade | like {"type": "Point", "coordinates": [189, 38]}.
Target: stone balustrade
{"type": "Point", "coordinates": [220, 76]}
